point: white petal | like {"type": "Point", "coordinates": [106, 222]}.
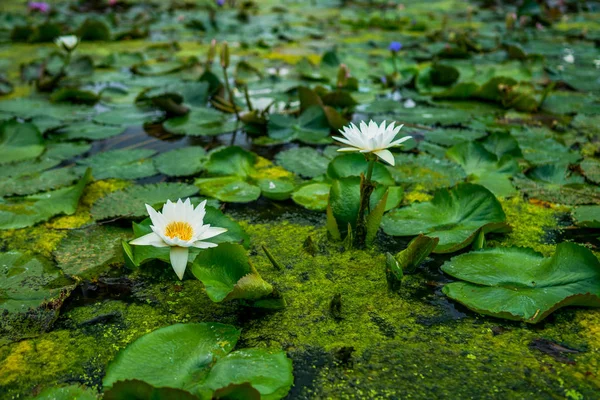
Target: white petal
{"type": "Point", "coordinates": [157, 218]}
{"type": "Point", "coordinates": [205, 245]}
{"type": "Point", "coordinates": [348, 149]}
{"type": "Point", "coordinates": [151, 239]}
{"type": "Point", "coordinates": [401, 140]}
{"type": "Point", "coordinates": [211, 232]}
{"type": "Point", "coordinates": [179, 258]}
{"type": "Point", "coordinates": [386, 155]}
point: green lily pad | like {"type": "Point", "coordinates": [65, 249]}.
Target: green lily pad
{"type": "Point", "coordinates": [90, 131]}
{"type": "Point", "coordinates": [587, 216]}
{"type": "Point", "coordinates": [276, 189]}
{"type": "Point", "coordinates": [67, 393]}
{"type": "Point", "coordinates": [25, 184]}
{"type": "Point", "coordinates": [26, 282]}
{"type": "Point", "coordinates": [455, 216]}
{"type": "Point", "coordinates": [181, 162]}
{"type": "Point", "coordinates": [348, 165]}
{"type": "Point", "coordinates": [304, 161]}
{"type": "Point", "coordinates": [21, 212]}
{"type": "Point", "coordinates": [450, 137]}
{"type": "Point", "coordinates": [130, 202]}
{"type": "Point", "coordinates": [37, 107]}
{"type": "Point", "coordinates": [77, 255]}
{"type": "Point", "coordinates": [139, 390]}
{"type": "Point", "coordinates": [269, 372]}
{"type": "Point", "coordinates": [227, 274]}
{"type": "Point", "coordinates": [175, 356]}
{"type": "Point", "coordinates": [201, 122]}
{"type": "Point", "coordinates": [520, 284]}
{"type": "Point", "coordinates": [312, 127]}
{"type": "Point", "coordinates": [121, 164]}
{"type": "Point", "coordinates": [127, 116]}
{"type": "Point", "coordinates": [591, 169]}
{"type": "Point", "coordinates": [19, 141]}
{"type": "Point", "coordinates": [485, 168]}
{"type": "Point", "coordinates": [558, 184]}
{"type": "Point", "coordinates": [231, 160]}
{"type": "Point", "coordinates": [229, 189]}
{"type": "Point", "coordinates": [313, 196]}
{"type": "Point", "coordinates": [427, 171]}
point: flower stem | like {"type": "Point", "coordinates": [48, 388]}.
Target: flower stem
{"type": "Point", "coordinates": [394, 63]}
{"type": "Point", "coordinates": [230, 93]}
{"type": "Point", "coordinates": [370, 170]}
{"type": "Point", "coordinates": [366, 189]}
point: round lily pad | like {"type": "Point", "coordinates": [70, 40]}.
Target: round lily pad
{"type": "Point", "coordinates": [181, 162]}
{"type": "Point", "coordinates": [454, 216]}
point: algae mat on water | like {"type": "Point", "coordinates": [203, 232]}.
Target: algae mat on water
{"type": "Point", "coordinates": [501, 100]}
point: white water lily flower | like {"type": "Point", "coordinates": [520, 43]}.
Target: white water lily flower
{"type": "Point", "coordinates": [67, 43]}
{"type": "Point", "coordinates": [179, 226]}
{"type": "Point", "coordinates": [372, 138]}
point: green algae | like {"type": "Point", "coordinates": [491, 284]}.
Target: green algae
{"type": "Point", "coordinates": [379, 346]}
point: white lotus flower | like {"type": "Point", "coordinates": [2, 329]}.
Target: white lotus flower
{"type": "Point", "coordinates": [179, 226]}
{"type": "Point", "coordinates": [67, 43]}
{"type": "Point", "coordinates": [372, 138]}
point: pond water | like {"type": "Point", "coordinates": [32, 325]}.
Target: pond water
{"type": "Point", "coordinates": [304, 296]}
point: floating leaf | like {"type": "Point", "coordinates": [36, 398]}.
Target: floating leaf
{"type": "Point", "coordinates": [19, 141]}
{"type": "Point", "coordinates": [201, 122]}
{"type": "Point", "coordinates": [230, 189]}
{"type": "Point", "coordinates": [121, 164]}
{"type": "Point", "coordinates": [175, 356]}
{"type": "Point", "coordinates": [227, 274]}
{"type": "Point", "coordinates": [89, 130]}
{"type": "Point", "coordinates": [127, 116]}
{"type": "Point", "coordinates": [591, 169]}
{"type": "Point", "coordinates": [27, 211]}
{"type": "Point", "coordinates": [130, 202]}
{"type": "Point", "coordinates": [231, 160]}
{"type": "Point", "coordinates": [36, 182]}
{"type": "Point", "coordinates": [181, 162]}
{"type": "Point", "coordinates": [77, 255]}
{"type": "Point", "coordinates": [268, 371]}
{"type": "Point", "coordinates": [313, 196]}
{"type": "Point", "coordinates": [454, 216]}
{"type": "Point", "coordinates": [304, 161]}
{"type": "Point", "coordinates": [485, 168]}
{"type": "Point", "coordinates": [587, 216]}
{"type": "Point", "coordinates": [520, 284]}
{"type": "Point", "coordinates": [312, 127]}
{"type": "Point", "coordinates": [67, 393]}
{"type": "Point", "coordinates": [139, 390]}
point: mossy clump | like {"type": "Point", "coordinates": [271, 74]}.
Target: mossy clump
{"type": "Point", "coordinates": [532, 225]}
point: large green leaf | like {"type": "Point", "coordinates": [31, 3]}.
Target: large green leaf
{"type": "Point", "coordinates": [313, 196]}
{"type": "Point", "coordinates": [269, 372]}
{"type": "Point", "coordinates": [485, 168]}
{"type": "Point", "coordinates": [25, 184]}
{"type": "Point", "coordinates": [139, 390]}
{"type": "Point", "coordinates": [587, 216]}
{"type": "Point", "coordinates": [67, 393]}
{"type": "Point", "coordinates": [177, 356]}
{"type": "Point", "coordinates": [231, 160]}
{"type": "Point", "coordinates": [230, 189]}
{"type": "Point", "coordinates": [347, 165]}
{"type": "Point", "coordinates": [312, 127]}
{"type": "Point", "coordinates": [130, 202]}
{"type": "Point", "coordinates": [19, 141]}
{"type": "Point", "coordinates": [520, 284]}
{"type": "Point", "coordinates": [304, 161]}
{"type": "Point", "coordinates": [127, 116]}
{"type": "Point", "coordinates": [21, 212]}
{"type": "Point", "coordinates": [26, 282]}
{"type": "Point", "coordinates": [181, 162]}
{"type": "Point", "coordinates": [77, 255]}
{"type": "Point", "coordinates": [454, 216]}
{"type": "Point", "coordinates": [201, 122]}
{"type": "Point", "coordinates": [121, 164]}
{"type": "Point", "coordinates": [227, 274]}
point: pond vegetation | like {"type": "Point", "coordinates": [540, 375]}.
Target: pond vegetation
{"type": "Point", "coordinates": [299, 199]}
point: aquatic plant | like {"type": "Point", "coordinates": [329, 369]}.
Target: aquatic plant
{"type": "Point", "coordinates": [373, 141]}
{"type": "Point", "coordinates": [179, 226]}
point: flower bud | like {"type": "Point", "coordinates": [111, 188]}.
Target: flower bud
{"type": "Point", "coordinates": [225, 55]}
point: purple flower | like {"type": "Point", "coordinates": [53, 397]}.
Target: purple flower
{"type": "Point", "coordinates": [220, 3]}
{"type": "Point", "coordinates": [40, 6]}
{"type": "Point", "coordinates": [395, 47]}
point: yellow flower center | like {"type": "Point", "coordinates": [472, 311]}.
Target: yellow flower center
{"type": "Point", "coordinates": [180, 230]}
